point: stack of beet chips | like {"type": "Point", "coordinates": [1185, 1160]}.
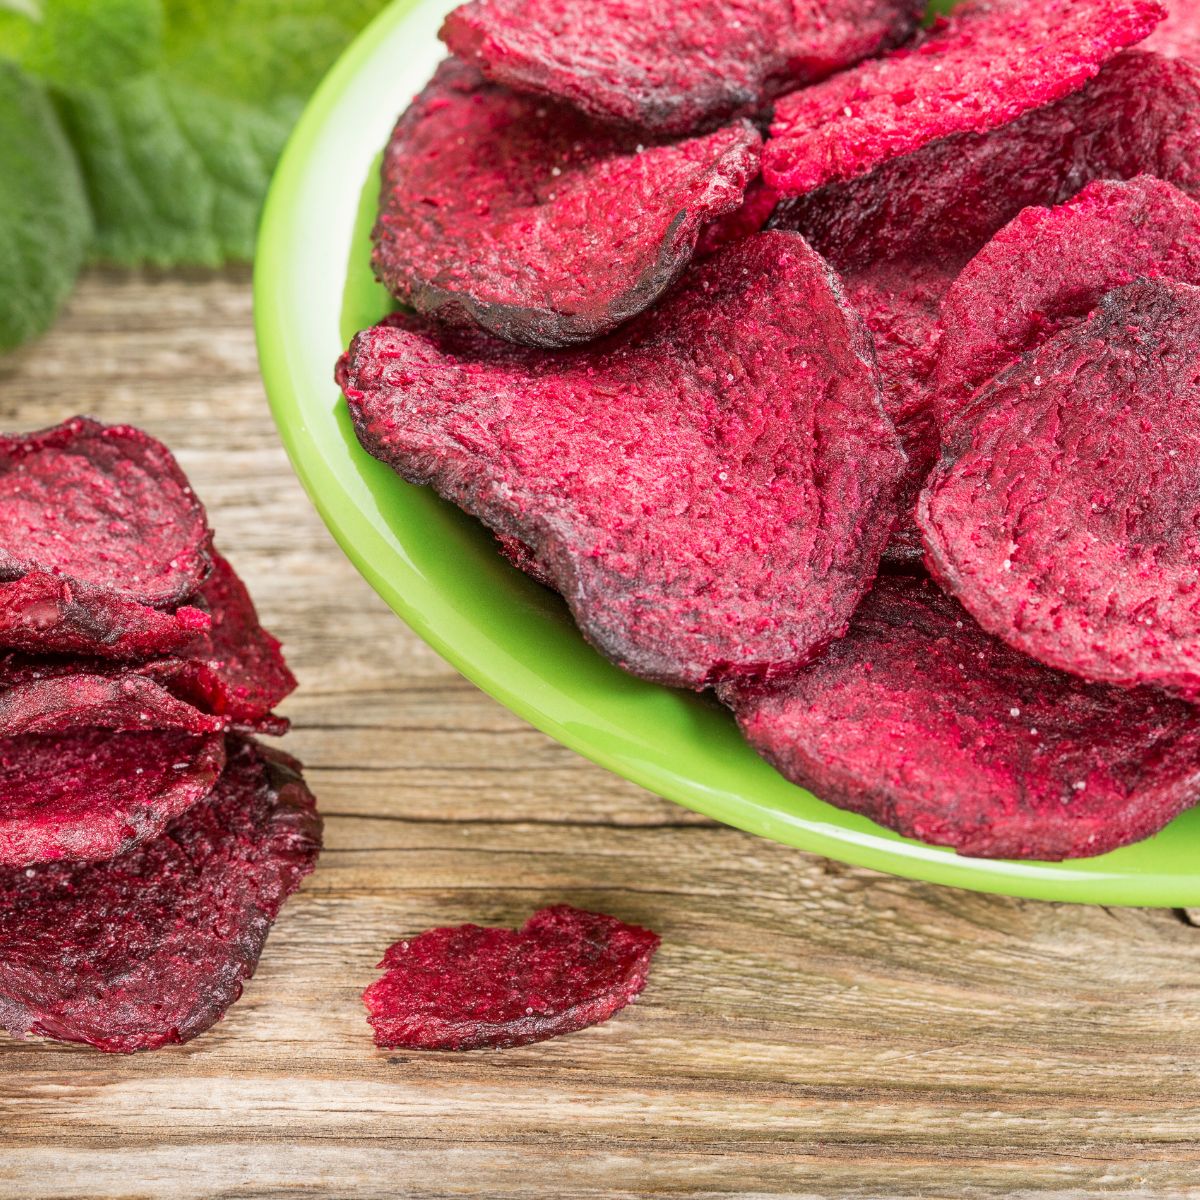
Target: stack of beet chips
{"type": "Point", "coordinates": [147, 840]}
{"type": "Point", "coordinates": [843, 365]}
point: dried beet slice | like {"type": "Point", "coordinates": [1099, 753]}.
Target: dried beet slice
{"type": "Point", "coordinates": [672, 68]}
{"type": "Point", "coordinates": [104, 506]}
{"type": "Point", "coordinates": [1050, 266]}
{"type": "Point", "coordinates": [470, 988]}
{"type": "Point", "coordinates": [1140, 115]}
{"type": "Point", "coordinates": [152, 947]}
{"type": "Point", "coordinates": [986, 65]}
{"type": "Point", "coordinates": [42, 613]}
{"type": "Point", "coordinates": [923, 722]}
{"type": "Point", "coordinates": [710, 488]}
{"type": "Point", "coordinates": [90, 794]}
{"type": "Point", "coordinates": [1064, 510]}
{"type": "Point", "coordinates": [123, 702]}
{"type": "Point", "coordinates": [536, 223]}
{"type": "Point", "coordinates": [242, 675]}
{"type": "Point", "coordinates": [1179, 35]}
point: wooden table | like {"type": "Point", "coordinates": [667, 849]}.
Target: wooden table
{"type": "Point", "coordinates": [809, 1029]}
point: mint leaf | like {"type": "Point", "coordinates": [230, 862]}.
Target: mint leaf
{"type": "Point", "coordinates": [89, 43]}
{"type": "Point", "coordinates": [177, 159]}
{"type": "Point", "coordinates": [167, 119]}
{"type": "Point", "coordinates": [44, 221]}
{"type": "Point", "coordinates": [175, 175]}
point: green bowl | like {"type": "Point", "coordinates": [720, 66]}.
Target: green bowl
{"type": "Point", "coordinates": [440, 571]}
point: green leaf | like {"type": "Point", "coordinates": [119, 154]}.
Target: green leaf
{"type": "Point", "coordinates": [177, 160]}
{"type": "Point", "coordinates": [17, 30]}
{"type": "Point", "coordinates": [79, 44]}
{"type": "Point", "coordinates": [175, 175]}
{"type": "Point", "coordinates": [44, 221]}
{"type": "Point", "coordinates": [167, 119]}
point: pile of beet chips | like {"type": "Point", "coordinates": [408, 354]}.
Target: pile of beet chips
{"type": "Point", "coordinates": [845, 365]}
{"type": "Point", "coordinates": [147, 840]}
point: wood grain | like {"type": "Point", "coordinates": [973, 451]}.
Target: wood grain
{"type": "Point", "coordinates": [809, 1029]}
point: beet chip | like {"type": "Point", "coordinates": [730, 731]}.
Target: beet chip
{"type": "Point", "coordinates": [992, 61]}
{"type": "Point", "coordinates": [106, 507]}
{"type": "Point", "coordinates": [709, 488]}
{"type": "Point", "coordinates": [536, 223]}
{"type": "Point", "coordinates": [152, 947]}
{"type": "Point", "coordinates": [43, 613]}
{"type": "Point", "coordinates": [1063, 513]}
{"type": "Point", "coordinates": [471, 988]}
{"type": "Point", "coordinates": [1179, 35]}
{"type": "Point", "coordinates": [672, 68]}
{"type": "Point", "coordinates": [125, 702]}
{"type": "Point", "coordinates": [242, 675]}
{"type": "Point", "coordinates": [90, 794]}
{"type": "Point", "coordinates": [1140, 115]}
{"type": "Point", "coordinates": [921, 721]}
{"type": "Point", "coordinates": [1049, 266]}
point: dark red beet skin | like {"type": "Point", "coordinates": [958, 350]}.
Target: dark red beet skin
{"type": "Point", "coordinates": [710, 488]}
{"type": "Point", "coordinates": [1050, 266]}
{"type": "Point", "coordinates": [534, 222]}
{"type": "Point", "coordinates": [90, 794]}
{"type": "Point", "coordinates": [44, 613]}
{"type": "Point", "coordinates": [152, 947]}
{"type": "Point", "coordinates": [471, 988]}
{"type": "Point", "coordinates": [102, 506]}
{"type": "Point", "coordinates": [923, 722]}
{"type": "Point", "coordinates": [1064, 511]}
{"type": "Point", "coordinates": [672, 68]}
{"type": "Point", "coordinates": [989, 63]}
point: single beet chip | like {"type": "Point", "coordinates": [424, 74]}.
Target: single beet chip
{"type": "Point", "coordinates": [1064, 512]}
{"type": "Point", "coordinates": [989, 63]}
{"type": "Point", "coordinates": [105, 507]}
{"type": "Point", "coordinates": [55, 703]}
{"type": "Point", "coordinates": [90, 794]}
{"type": "Point", "coordinates": [710, 488]}
{"type": "Point", "coordinates": [43, 613]}
{"type": "Point", "coordinates": [471, 988]}
{"type": "Point", "coordinates": [925, 723]}
{"type": "Point", "coordinates": [1049, 267]}
{"type": "Point", "coordinates": [671, 68]}
{"type": "Point", "coordinates": [152, 947]}
{"type": "Point", "coordinates": [534, 222]}
{"type": "Point", "coordinates": [1139, 116]}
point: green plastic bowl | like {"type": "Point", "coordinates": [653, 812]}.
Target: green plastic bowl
{"type": "Point", "coordinates": [440, 571]}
